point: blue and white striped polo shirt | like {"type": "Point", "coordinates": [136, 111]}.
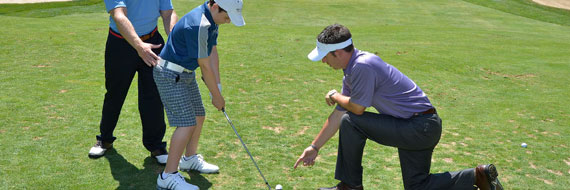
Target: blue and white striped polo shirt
{"type": "Point", "coordinates": [193, 37]}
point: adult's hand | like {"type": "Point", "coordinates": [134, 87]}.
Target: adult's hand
{"type": "Point", "coordinates": [308, 157]}
{"type": "Point", "coordinates": [328, 97]}
{"type": "Point", "coordinates": [147, 55]}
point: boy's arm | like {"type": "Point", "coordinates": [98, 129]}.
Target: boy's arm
{"type": "Point", "coordinates": [215, 63]}
{"type": "Point", "coordinates": [210, 80]}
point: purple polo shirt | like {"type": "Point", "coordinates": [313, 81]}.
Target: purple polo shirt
{"type": "Point", "coordinates": [369, 81]}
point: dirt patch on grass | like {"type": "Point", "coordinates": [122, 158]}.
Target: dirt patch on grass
{"type": "Point", "coordinates": [521, 76]}
{"type": "Point", "coordinates": [563, 4]}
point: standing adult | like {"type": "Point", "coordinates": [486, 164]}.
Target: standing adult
{"type": "Point", "coordinates": [407, 120]}
{"type": "Point", "coordinates": [132, 46]}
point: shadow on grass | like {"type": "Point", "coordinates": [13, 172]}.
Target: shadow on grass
{"type": "Point", "coordinates": [199, 180]}
{"type": "Point", "coordinates": [131, 177]}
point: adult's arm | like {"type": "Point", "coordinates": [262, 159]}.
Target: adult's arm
{"type": "Point", "coordinates": [128, 32]}
{"type": "Point", "coordinates": [169, 19]}
{"type": "Point", "coordinates": [344, 102]}
{"type": "Point", "coordinates": [328, 130]}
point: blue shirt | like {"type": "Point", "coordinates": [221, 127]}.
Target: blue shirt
{"type": "Point", "coordinates": [142, 14]}
{"type": "Point", "coordinates": [369, 81]}
{"type": "Point", "coordinates": [193, 37]}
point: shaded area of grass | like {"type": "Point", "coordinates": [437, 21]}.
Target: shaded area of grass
{"type": "Point", "coordinates": [528, 9]}
{"type": "Point", "coordinates": [51, 9]}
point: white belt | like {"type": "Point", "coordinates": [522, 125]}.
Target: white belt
{"type": "Point", "coordinates": [173, 66]}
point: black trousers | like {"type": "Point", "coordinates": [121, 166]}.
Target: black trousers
{"type": "Point", "coordinates": [121, 63]}
{"type": "Point", "coordinates": [415, 139]}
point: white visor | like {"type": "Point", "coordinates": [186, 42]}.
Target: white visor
{"type": "Point", "coordinates": [323, 49]}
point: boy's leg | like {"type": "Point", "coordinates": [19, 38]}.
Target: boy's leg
{"type": "Point", "coordinates": [192, 160]}
{"type": "Point", "coordinates": [192, 146]}
{"type": "Point", "coordinates": [178, 142]}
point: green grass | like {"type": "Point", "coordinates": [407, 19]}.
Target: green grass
{"type": "Point", "coordinates": [498, 79]}
{"type": "Point", "coordinates": [528, 9]}
{"type": "Point", "coordinates": [51, 9]}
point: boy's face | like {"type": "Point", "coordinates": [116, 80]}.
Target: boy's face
{"type": "Point", "coordinates": [220, 17]}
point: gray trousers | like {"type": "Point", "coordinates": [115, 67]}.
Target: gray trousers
{"type": "Point", "coordinates": [415, 139]}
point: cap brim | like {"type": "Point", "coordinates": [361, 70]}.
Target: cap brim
{"type": "Point", "coordinates": [236, 18]}
{"type": "Point", "coordinates": [317, 55]}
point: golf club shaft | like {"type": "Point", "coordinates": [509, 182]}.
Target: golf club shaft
{"type": "Point", "coordinates": [247, 150]}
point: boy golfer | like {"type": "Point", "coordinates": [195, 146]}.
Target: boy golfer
{"type": "Point", "coordinates": [191, 44]}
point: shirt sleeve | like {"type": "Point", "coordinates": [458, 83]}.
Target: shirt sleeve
{"type": "Point", "coordinates": [363, 81]}
{"type": "Point", "coordinates": [112, 4]}
{"type": "Point", "coordinates": [165, 5]}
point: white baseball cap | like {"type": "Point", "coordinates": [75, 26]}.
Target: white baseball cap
{"type": "Point", "coordinates": [233, 7]}
{"type": "Point", "coordinates": [323, 49]}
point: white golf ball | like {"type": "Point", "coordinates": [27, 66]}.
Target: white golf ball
{"type": "Point", "coordinates": [278, 187]}
{"type": "Point", "coordinates": [524, 145]}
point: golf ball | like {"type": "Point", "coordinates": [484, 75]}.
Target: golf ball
{"type": "Point", "coordinates": [523, 145]}
{"type": "Point", "coordinates": [278, 187]}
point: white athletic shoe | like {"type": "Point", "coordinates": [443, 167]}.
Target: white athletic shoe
{"type": "Point", "coordinates": [99, 149]}
{"type": "Point", "coordinates": [160, 155]}
{"type": "Point", "coordinates": [161, 159]}
{"type": "Point", "coordinates": [174, 182]}
{"type": "Point", "coordinates": [197, 163]}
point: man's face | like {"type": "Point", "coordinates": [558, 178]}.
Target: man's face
{"type": "Point", "coordinates": [220, 17]}
{"type": "Point", "coordinates": [333, 61]}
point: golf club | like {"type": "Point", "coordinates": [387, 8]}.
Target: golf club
{"type": "Point", "coordinates": [242, 143]}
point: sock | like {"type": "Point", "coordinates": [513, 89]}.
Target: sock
{"type": "Point", "coordinates": [165, 175]}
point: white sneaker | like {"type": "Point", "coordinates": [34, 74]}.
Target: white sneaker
{"type": "Point", "coordinates": [99, 149]}
{"type": "Point", "coordinates": [161, 155]}
{"type": "Point", "coordinates": [161, 159]}
{"type": "Point", "coordinates": [174, 182]}
{"type": "Point", "coordinates": [197, 163]}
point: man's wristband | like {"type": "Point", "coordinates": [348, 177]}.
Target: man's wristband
{"type": "Point", "coordinates": [314, 147]}
{"type": "Point", "coordinates": [331, 94]}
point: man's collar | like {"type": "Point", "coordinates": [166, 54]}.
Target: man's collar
{"type": "Point", "coordinates": [350, 64]}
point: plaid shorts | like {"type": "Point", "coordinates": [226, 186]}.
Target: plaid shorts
{"type": "Point", "coordinates": [180, 95]}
